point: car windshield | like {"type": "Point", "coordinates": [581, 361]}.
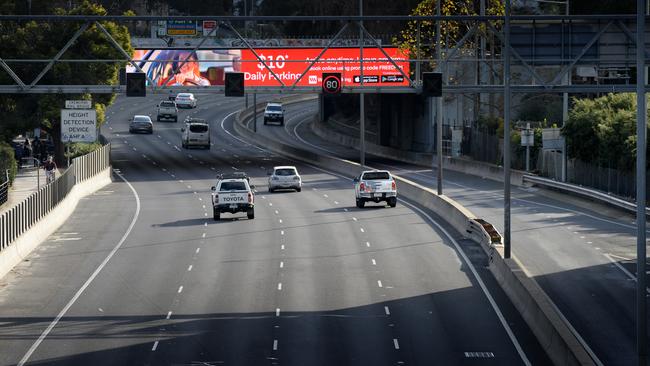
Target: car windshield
{"type": "Point", "coordinates": [375, 176]}
{"type": "Point", "coordinates": [273, 108]}
{"type": "Point", "coordinates": [198, 128]}
{"type": "Point", "coordinates": [141, 119]}
{"type": "Point", "coordinates": [285, 172]}
{"type": "Point", "coordinates": [167, 104]}
{"type": "Point", "coordinates": [232, 186]}
{"type": "Point", "coordinates": [183, 95]}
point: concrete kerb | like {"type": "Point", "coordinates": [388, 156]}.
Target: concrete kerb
{"type": "Point", "coordinates": [536, 308]}
{"type": "Point", "coordinates": [31, 239]}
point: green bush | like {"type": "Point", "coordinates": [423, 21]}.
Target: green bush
{"type": "Point", "coordinates": [7, 162]}
{"type": "Point", "coordinates": [81, 148]}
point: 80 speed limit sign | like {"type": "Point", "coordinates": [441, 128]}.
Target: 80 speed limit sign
{"type": "Point", "coordinates": [331, 83]}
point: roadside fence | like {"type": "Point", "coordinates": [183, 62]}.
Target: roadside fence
{"type": "Point", "coordinates": [27, 213]}
{"type": "Point", "coordinates": [4, 188]}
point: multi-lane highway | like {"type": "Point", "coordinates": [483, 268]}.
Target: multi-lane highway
{"type": "Point", "coordinates": [582, 254]}
{"type": "Point", "coordinates": [142, 275]}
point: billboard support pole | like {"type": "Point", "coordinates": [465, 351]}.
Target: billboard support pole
{"type": "Point", "coordinates": [362, 110]}
{"type": "Point", "coordinates": [254, 112]}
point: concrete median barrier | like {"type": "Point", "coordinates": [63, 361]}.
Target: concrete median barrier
{"type": "Point", "coordinates": [545, 320]}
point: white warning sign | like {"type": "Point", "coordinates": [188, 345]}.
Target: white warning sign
{"type": "Point", "coordinates": [78, 125]}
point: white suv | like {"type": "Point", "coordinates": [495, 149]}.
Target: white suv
{"type": "Point", "coordinates": [375, 186]}
{"type": "Point", "coordinates": [286, 177]}
{"type": "Point", "coordinates": [274, 112]}
{"type": "Point", "coordinates": [195, 133]}
{"type": "Point", "coordinates": [185, 100]}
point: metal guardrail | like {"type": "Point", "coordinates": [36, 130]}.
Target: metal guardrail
{"type": "Point", "coordinates": [4, 189]}
{"type": "Point", "coordinates": [584, 192]}
{"type": "Point", "coordinates": [27, 213]}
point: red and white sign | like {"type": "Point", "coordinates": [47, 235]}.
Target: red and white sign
{"type": "Point", "coordinates": [289, 63]}
{"type": "Point", "coordinates": [208, 26]}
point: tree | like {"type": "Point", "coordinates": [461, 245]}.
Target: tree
{"type": "Point", "coordinates": [603, 130]}
{"type": "Point", "coordinates": [32, 40]}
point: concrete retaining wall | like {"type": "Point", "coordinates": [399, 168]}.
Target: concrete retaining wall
{"type": "Point", "coordinates": [481, 169]}
{"type": "Point", "coordinates": [536, 308]}
{"type": "Point", "coordinates": [26, 243]}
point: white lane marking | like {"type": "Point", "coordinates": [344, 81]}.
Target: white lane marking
{"type": "Point", "coordinates": [379, 283]}
{"type": "Point", "coordinates": [155, 345]}
{"type": "Point", "coordinates": [169, 315]}
{"type": "Point", "coordinates": [190, 187]}
{"type": "Point", "coordinates": [280, 220]}
{"type": "Point", "coordinates": [368, 244]}
{"type": "Point", "coordinates": [374, 262]}
{"type": "Point", "coordinates": [478, 279]}
{"type": "Point", "coordinates": [234, 168]}
{"type": "Point", "coordinates": [176, 147]}
{"type": "Point", "coordinates": [173, 176]}
{"type": "Point", "coordinates": [354, 218]}
{"type": "Point", "coordinates": [386, 310]}
{"type": "Point", "coordinates": [67, 239]}
{"type": "Point", "coordinates": [277, 212]}
{"type": "Point", "coordinates": [345, 209]}
{"type": "Point", "coordinates": [200, 199]}
{"type": "Point", "coordinates": [275, 344]}
{"type": "Point", "coordinates": [203, 235]}
{"type": "Point", "coordinates": [180, 289]}
{"type": "Point", "coordinates": [277, 311]}
{"type": "Point", "coordinates": [263, 197]}
{"type": "Point", "coordinates": [282, 247]}
{"type": "Point", "coordinates": [325, 196]}
{"type": "Point", "coordinates": [281, 232]}
{"type": "Point", "coordinates": [134, 149]}
{"type": "Point", "coordinates": [270, 204]}
{"type": "Point", "coordinates": [205, 224]}
{"type": "Point", "coordinates": [336, 202]}
{"type": "Point", "coordinates": [279, 286]}
{"type": "Point", "coordinates": [362, 230]}
{"type": "Point", "coordinates": [90, 279]}
{"type": "Point", "coordinates": [395, 343]}
{"type": "Point", "coordinates": [203, 206]}
{"type": "Point", "coordinates": [629, 274]}
{"type": "Point", "coordinates": [190, 268]}
{"type": "Point", "coordinates": [198, 250]}
{"type": "Point", "coordinates": [281, 264]}
{"type": "Point", "coordinates": [205, 214]}
{"type": "Point", "coordinates": [159, 136]}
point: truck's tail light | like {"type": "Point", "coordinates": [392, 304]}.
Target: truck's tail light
{"type": "Point", "coordinates": [362, 186]}
{"type": "Point", "coordinates": [250, 198]}
{"type": "Point", "coordinates": [394, 186]}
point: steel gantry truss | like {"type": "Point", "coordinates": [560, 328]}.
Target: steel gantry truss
{"type": "Point", "coordinates": [537, 83]}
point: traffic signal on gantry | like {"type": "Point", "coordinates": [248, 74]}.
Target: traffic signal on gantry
{"type": "Point", "coordinates": [432, 84]}
{"type": "Point", "coordinates": [234, 84]}
{"type": "Point", "coordinates": [136, 84]}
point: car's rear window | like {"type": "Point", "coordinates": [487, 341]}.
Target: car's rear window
{"type": "Point", "coordinates": [274, 108]}
{"type": "Point", "coordinates": [141, 119]}
{"type": "Point", "coordinates": [198, 128]}
{"type": "Point", "coordinates": [167, 104]}
{"type": "Point", "coordinates": [375, 176]}
{"type": "Point", "coordinates": [284, 172]}
{"type": "Point", "coordinates": [183, 95]}
{"type": "Point", "coordinates": [232, 186]}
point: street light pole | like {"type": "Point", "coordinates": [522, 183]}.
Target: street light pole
{"type": "Point", "coordinates": [506, 134]}
{"type": "Point", "coordinates": [439, 101]}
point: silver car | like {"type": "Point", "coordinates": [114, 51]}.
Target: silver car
{"type": "Point", "coordinates": [285, 177]}
{"type": "Point", "coordinates": [140, 123]}
{"type": "Point", "coordinates": [185, 100]}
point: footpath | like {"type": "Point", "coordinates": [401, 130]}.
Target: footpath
{"type": "Point", "coordinates": [28, 180]}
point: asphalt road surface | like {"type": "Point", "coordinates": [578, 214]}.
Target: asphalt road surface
{"type": "Point", "coordinates": [141, 274]}
{"type": "Point", "coordinates": [582, 254]}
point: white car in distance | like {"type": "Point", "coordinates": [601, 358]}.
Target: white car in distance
{"type": "Point", "coordinates": [375, 186]}
{"type": "Point", "coordinates": [285, 177]}
{"type": "Point", "coordinates": [185, 100]}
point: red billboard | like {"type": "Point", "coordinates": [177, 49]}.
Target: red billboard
{"type": "Point", "coordinates": [208, 67]}
{"type": "Point", "coordinates": [289, 63]}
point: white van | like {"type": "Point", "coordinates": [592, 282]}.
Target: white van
{"type": "Point", "coordinates": [195, 133]}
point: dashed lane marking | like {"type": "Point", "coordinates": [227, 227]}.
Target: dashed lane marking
{"type": "Point", "coordinates": [279, 286]}
{"type": "Point", "coordinates": [155, 345]}
{"type": "Point", "coordinates": [169, 315]}
{"type": "Point", "coordinates": [395, 343]}
{"type": "Point", "coordinates": [180, 289]}
{"type": "Point", "coordinates": [379, 283]}
{"type": "Point", "coordinates": [189, 269]}
{"type": "Point", "coordinates": [386, 310]}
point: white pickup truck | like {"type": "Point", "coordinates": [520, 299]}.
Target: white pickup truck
{"type": "Point", "coordinates": [167, 110]}
{"type": "Point", "coordinates": [375, 186]}
{"type": "Point", "coordinates": [233, 195]}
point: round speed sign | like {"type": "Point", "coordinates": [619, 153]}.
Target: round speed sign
{"type": "Point", "coordinates": [332, 83]}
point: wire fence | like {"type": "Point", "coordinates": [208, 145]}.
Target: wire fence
{"type": "Point", "coordinates": [27, 213]}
